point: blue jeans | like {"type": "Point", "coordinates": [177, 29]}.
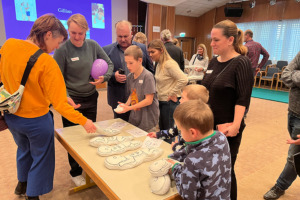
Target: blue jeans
{"type": "Point", "coordinates": [35, 154]}
{"type": "Point", "coordinates": [289, 174]}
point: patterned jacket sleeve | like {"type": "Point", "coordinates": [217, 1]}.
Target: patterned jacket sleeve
{"type": "Point", "coordinates": [179, 155]}
{"type": "Point", "coordinates": [188, 182]}
{"type": "Point", "coordinates": [167, 134]}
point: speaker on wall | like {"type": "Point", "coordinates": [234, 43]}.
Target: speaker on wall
{"type": "Point", "coordinates": [233, 11]}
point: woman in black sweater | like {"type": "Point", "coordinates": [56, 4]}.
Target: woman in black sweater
{"type": "Point", "coordinates": [229, 80]}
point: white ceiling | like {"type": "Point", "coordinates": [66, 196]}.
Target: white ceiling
{"type": "Point", "coordinates": [192, 8]}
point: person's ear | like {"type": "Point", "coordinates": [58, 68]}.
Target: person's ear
{"type": "Point", "coordinates": [194, 132]}
{"type": "Point", "coordinates": [48, 35]}
{"type": "Point", "coordinates": [230, 40]}
{"type": "Point", "coordinates": [140, 60]}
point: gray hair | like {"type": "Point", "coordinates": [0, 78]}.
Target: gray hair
{"type": "Point", "coordinates": [165, 35]}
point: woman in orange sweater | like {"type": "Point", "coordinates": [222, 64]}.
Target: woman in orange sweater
{"type": "Point", "coordinates": [32, 125]}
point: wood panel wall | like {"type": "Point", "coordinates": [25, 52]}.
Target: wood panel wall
{"type": "Point", "coordinates": [263, 11]}
{"type": "Point", "coordinates": [185, 24]}
{"type": "Point", "coordinates": [161, 16]}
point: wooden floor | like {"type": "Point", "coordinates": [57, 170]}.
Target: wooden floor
{"type": "Point", "coordinates": [260, 161]}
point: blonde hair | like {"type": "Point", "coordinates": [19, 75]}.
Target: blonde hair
{"type": "Point", "coordinates": [80, 20]}
{"type": "Point", "coordinates": [194, 114]}
{"type": "Point", "coordinates": [196, 92]}
{"type": "Point", "coordinates": [124, 22]}
{"type": "Point", "coordinates": [140, 38]}
{"type": "Point", "coordinates": [175, 41]}
{"type": "Point", "coordinates": [42, 25]}
{"type": "Point", "coordinates": [165, 35]}
{"type": "Point", "coordinates": [204, 50]}
{"type": "Point", "coordinates": [230, 29]}
{"type": "Point", "coordinates": [134, 51]}
{"type": "Point", "coordinates": [164, 56]}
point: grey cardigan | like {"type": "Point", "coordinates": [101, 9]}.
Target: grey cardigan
{"type": "Point", "coordinates": [291, 78]}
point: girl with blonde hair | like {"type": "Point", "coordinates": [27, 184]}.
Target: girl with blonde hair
{"type": "Point", "coordinates": [199, 62]}
{"type": "Point", "coordinates": [169, 82]}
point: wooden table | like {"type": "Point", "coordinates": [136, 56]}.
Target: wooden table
{"type": "Point", "coordinates": [115, 184]}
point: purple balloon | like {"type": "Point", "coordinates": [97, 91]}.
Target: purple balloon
{"type": "Point", "coordinates": [99, 68]}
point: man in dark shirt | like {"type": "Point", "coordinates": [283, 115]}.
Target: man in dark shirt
{"type": "Point", "coordinates": [116, 89]}
{"type": "Point", "coordinates": [254, 51]}
{"type": "Point", "coordinates": [174, 51]}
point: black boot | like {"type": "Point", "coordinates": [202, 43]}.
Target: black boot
{"type": "Point", "coordinates": [21, 188]}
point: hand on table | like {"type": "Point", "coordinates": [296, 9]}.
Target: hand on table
{"type": "Point", "coordinates": [152, 134]}
{"type": "Point", "coordinates": [89, 126]}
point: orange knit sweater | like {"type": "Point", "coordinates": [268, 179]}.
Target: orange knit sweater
{"type": "Point", "coordinates": [45, 84]}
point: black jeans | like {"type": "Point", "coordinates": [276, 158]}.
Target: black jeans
{"type": "Point", "coordinates": [234, 144]}
{"type": "Point", "coordinates": [166, 120]}
{"type": "Point", "coordinates": [89, 110]}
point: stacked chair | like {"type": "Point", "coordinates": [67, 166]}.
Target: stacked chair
{"type": "Point", "coordinates": [272, 73]}
{"type": "Point", "coordinates": [262, 71]}
{"type": "Point", "coordinates": [281, 66]}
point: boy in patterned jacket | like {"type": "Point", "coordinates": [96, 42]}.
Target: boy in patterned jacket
{"type": "Point", "coordinates": [189, 92]}
{"type": "Point", "coordinates": [205, 168]}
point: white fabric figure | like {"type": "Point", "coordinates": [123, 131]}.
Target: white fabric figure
{"type": "Point", "coordinates": [118, 109]}
{"type": "Point", "coordinates": [133, 159]}
{"type": "Point", "coordinates": [98, 141]}
{"type": "Point", "coordinates": [107, 131]}
{"type": "Point", "coordinates": [160, 168]}
{"type": "Point", "coordinates": [119, 148]}
{"type": "Point", "coordinates": [160, 185]}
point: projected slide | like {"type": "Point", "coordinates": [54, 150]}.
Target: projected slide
{"type": "Point", "coordinates": [98, 15]}
{"type": "Point", "coordinates": [25, 10]}
{"type": "Point", "coordinates": [19, 16]}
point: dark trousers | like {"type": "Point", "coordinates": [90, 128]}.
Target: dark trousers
{"type": "Point", "coordinates": [89, 110]}
{"type": "Point", "coordinates": [166, 120]}
{"type": "Point", "coordinates": [234, 144]}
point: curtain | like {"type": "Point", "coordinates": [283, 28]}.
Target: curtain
{"type": "Point", "coordinates": [280, 38]}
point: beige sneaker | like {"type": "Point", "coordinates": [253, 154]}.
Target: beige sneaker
{"type": "Point", "coordinates": [79, 180]}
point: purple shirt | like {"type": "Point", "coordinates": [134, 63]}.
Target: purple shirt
{"type": "Point", "coordinates": [254, 51]}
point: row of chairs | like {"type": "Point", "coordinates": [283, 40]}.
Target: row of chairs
{"type": "Point", "coordinates": [271, 72]}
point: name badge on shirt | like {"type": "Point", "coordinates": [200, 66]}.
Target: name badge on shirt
{"type": "Point", "coordinates": [209, 71]}
{"type": "Point", "coordinates": [141, 81]}
{"type": "Point", "coordinates": [75, 59]}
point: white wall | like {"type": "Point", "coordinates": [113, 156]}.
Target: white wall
{"type": "Point", "coordinates": [2, 29]}
{"type": "Point", "coordinates": [119, 12]}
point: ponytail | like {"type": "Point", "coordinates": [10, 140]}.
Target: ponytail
{"type": "Point", "coordinates": [238, 43]}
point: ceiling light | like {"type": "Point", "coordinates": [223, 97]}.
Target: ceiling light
{"type": "Point", "coordinates": [252, 4]}
{"type": "Point", "coordinates": [272, 2]}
